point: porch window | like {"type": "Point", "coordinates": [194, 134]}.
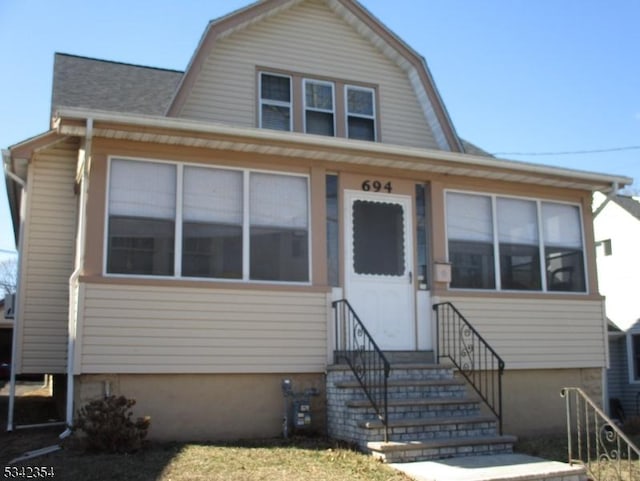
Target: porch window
{"type": "Point", "coordinates": [563, 247]}
{"type": "Point", "coordinates": [361, 113]}
{"type": "Point", "coordinates": [279, 237]}
{"type": "Point", "coordinates": [333, 261]}
{"type": "Point", "coordinates": [187, 221]}
{"type": "Point", "coordinates": [470, 232]}
{"type": "Point", "coordinates": [212, 223]}
{"type": "Point", "coordinates": [319, 107]}
{"type": "Point", "coordinates": [275, 101]}
{"type": "Point", "coordinates": [141, 225]}
{"type": "Point", "coordinates": [519, 245]}
{"type": "Point", "coordinates": [509, 243]}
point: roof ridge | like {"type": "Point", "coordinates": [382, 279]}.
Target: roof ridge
{"type": "Point", "coordinates": [115, 62]}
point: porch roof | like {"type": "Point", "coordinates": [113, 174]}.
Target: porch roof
{"type": "Point", "coordinates": [194, 133]}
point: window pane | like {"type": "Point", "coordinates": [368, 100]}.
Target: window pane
{"type": "Point", "coordinates": [212, 195]}
{"type": "Point", "coordinates": [517, 221]}
{"type": "Point", "coordinates": [520, 267]}
{"type": "Point", "coordinates": [360, 101]}
{"type": "Point", "coordinates": [319, 123]}
{"type": "Point", "coordinates": [142, 189]}
{"type": "Point", "coordinates": [561, 224]}
{"type": "Point", "coordinates": [565, 269]}
{"type": "Point", "coordinates": [636, 356]}
{"type": "Point", "coordinates": [140, 246]}
{"type": "Point", "coordinates": [361, 128]}
{"type": "Point", "coordinates": [275, 87]}
{"type": "Point", "coordinates": [212, 250]}
{"type": "Point", "coordinates": [275, 117]}
{"type": "Point", "coordinates": [319, 96]}
{"type": "Point", "coordinates": [469, 217]}
{"type": "Point", "coordinates": [333, 270]}
{"type": "Point", "coordinates": [279, 254]}
{"type": "Point", "coordinates": [472, 265]}
{"type": "Point", "coordinates": [422, 234]}
{"type": "Point", "coordinates": [378, 228]}
{"type": "Point", "coordinates": [279, 227]}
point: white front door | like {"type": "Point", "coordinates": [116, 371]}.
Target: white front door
{"type": "Point", "coordinates": [379, 263]}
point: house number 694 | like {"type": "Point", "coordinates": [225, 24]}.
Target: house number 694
{"type": "Point", "coordinates": [376, 186]}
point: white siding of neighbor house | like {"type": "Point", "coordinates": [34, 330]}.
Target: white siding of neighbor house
{"type": "Point", "coordinates": [309, 39]}
{"type": "Point", "coordinates": [538, 333]}
{"type": "Point", "coordinates": [142, 329]}
{"type": "Point", "coordinates": [49, 241]}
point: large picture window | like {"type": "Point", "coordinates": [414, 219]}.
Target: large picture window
{"type": "Point", "coordinates": [509, 243]}
{"type": "Point", "coordinates": [221, 230]}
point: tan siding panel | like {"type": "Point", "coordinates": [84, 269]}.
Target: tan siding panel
{"type": "Point", "coordinates": [169, 330]}
{"type": "Point", "coordinates": [48, 259]}
{"type": "Point", "coordinates": [308, 39]}
{"type": "Point", "coordinates": [532, 334]}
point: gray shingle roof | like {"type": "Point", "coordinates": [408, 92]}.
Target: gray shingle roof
{"type": "Point", "coordinates": [629, 204]}
{"type": "Point", "coordinates": [105, 85]}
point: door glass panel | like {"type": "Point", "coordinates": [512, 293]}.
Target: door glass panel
{"type": "Point", "coordinates": [378, 238]}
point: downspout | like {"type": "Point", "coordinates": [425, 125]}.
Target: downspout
{"type": "Point", "coordinates": [6, 158]}
{"type": "Point", "coordinates": [83, 177]}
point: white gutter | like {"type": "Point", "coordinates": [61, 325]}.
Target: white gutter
{"type": "Point", "coordinates": [294, 139]}
{"type": "Point", "coordinates": [73, 279]}
{"type": "Point", "coordinates": [17, 315]}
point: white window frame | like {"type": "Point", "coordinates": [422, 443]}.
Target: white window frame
{"type": "Point", "coordinates": [496, 243]}
{"type": "Point", "coordinates": [305, 108]}
{"type": "Point", "coordinates": [179, 220]}
{"type": "Point", "coordinates": [275, 103]}
{"type": "Point", "coordinates": [348, 114]}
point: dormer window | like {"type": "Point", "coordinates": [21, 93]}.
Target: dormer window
{"type": "Point", "coordinates": [319, 103]}
{"type": "Point", "coordinates": [361, 115]}
{"type": "Point", "coordinates": [275, 102]}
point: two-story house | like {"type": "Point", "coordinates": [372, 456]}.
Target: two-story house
{"type": "Point", "coordinates": [184, 234]}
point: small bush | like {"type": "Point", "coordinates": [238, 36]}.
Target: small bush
{"type": "Point", "coordinates": [108, 427]}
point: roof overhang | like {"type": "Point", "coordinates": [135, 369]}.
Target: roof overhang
{"type": "Point", "coordinates": [194, 133]}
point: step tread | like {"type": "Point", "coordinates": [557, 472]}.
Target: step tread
{"type": "Point", "coordinates": [394, 446]}
{"type": "Point", "coordinates": [417, 402]}
{"type": "Point", "coordinates": [407, 382]}
{"type": "Point", "coordinates": [376, 423]}
{"type": "Point", "coordinates": [397, 366]}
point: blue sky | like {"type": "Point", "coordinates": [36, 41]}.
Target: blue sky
{"type": "Point", "coordinates": [516, 75]}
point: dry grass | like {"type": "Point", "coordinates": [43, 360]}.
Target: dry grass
{"type": "Point", "coordinates": [299, 459]}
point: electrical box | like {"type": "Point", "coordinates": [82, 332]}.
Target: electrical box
{"type": "Point", "coordinates": [301, 414]}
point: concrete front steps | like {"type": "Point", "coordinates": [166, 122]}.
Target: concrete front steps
{"type": "Point", "coordinates": [431, 416]}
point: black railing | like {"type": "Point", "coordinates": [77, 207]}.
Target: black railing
{"type": "Point", "coordinates": [596, 442]}
{"type": "Point", "coordinates": [471, 354]}
{"type": "Point", "coordinates": [356, 347]}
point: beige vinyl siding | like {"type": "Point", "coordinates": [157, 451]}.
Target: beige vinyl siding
{"type": "Point", "coordinates": [47, 260]}
{"type": "Point", "coordinates": [141, 329]}
{"type": "Point", "coordinates": [538, 333]}
{"type": "Point", "coordinates": [309, 39]}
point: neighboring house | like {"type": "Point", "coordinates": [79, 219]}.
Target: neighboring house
{"type": "Point", "coordinates": [617, 234]}
{"type": "Point", "coordinates": [305, 155]}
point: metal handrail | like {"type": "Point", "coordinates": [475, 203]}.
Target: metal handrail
{"type": "Point", "coordinates": [475, 359]}
{"type": "Point", "coordinates": [357, 348]}
{"type": "Point", "coordinates": [595, 441]}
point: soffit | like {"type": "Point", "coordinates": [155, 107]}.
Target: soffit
{"type": "Point", "coordinates": [169, 131]}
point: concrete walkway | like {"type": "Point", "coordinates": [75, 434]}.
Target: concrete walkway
{"type": "Point", "coordinates": [504, 467]}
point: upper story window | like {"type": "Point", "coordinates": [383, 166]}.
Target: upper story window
{"type": "Point", "coordinates": [275, 102]}
{"type": "Point", "coordinates": [514, 244]}
{"type": "Point", "coordinates": [319, 117]}
{"type": "Point", "coordinates": [187, 221]}
{"type": "Point", "coordinates": [361, 115]}
{"type": "Point", "coordinates": [330, 107]}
